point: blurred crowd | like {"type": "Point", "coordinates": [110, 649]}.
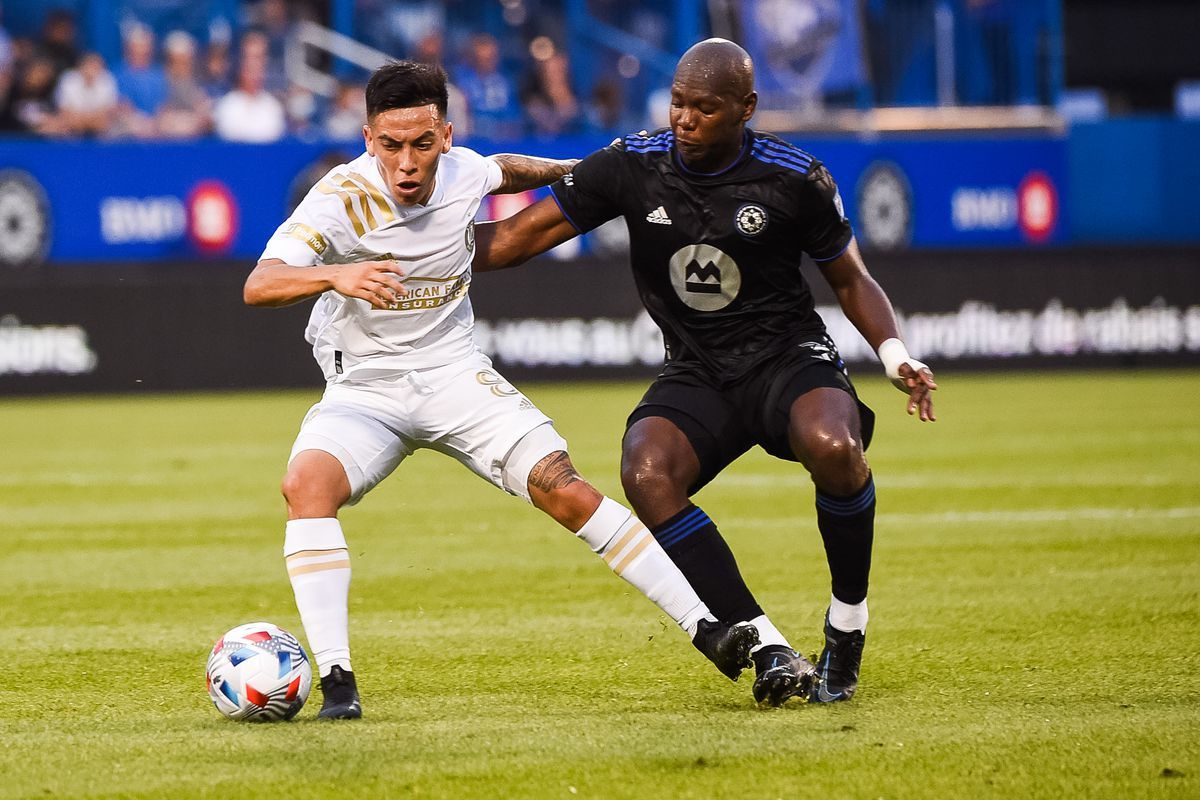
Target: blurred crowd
{"type": "Point", "coordinates": [234, 85]}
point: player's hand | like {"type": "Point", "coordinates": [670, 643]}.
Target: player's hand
{"type": "Point", "coordinates": [377, 282]}
{"type": "Point", "coordinates": [917, 379]}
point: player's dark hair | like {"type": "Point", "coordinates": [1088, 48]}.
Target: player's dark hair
{"type": "Point", "coordinates": [406, 84]}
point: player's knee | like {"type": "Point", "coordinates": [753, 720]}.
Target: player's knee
{"type": "Point", "coordinates": [315, 485]}
{"type": "Point", "coordinates": [836, 460]}
{"type": "Point", "coordinates": [643, 475]}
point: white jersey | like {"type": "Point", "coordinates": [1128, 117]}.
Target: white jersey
{"type": "Point", "coordinates": [349, 216]}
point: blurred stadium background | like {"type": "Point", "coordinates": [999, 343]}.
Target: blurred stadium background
{"type": "Point", "coordinates": [1021, 173]}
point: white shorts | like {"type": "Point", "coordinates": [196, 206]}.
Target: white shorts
{"type": "Point", "coordinates": [466, 410]}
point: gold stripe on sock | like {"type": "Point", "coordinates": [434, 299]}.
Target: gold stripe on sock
{"type": "Point", "coordinates": [304, 569]}
{"type": "Point", "coordinates": [634, 553]}
{"type": "Point", "coordinates": [311, 553]}
{"type": "Point", "coordinates": [626, 539]}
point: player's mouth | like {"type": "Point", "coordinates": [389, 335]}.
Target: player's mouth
{"type": "Point", "coordinates": [408, 188]}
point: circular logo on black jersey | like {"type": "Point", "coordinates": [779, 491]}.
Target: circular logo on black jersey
{"type": "Point", "coordinates": [885, 207]}
{"type": "Point", "coordinates": [704, 277]}
{"type": "Point", "coordinates": [24, 220]}
{"type": "Point", "coordinates": [750, 219]}
{"type": "Point", "coordinates": [471, 235]}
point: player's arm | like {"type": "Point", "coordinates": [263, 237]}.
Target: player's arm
{"type": "Point", "coordinates": [274, 283]}
{"type": "Point", "coordinates": [522, 173]}
{"type": "Point", "coordinates": [870, 311]}
{"type": "Point", "coordinates": [513, 241]}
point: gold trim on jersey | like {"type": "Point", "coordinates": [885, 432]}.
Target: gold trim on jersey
{"type": "Point", "coordinates": [385, 210]}
{"type": "Point", "coordinates": [328, 188]}
{"type": "Point", "coordinates": [361, 200]}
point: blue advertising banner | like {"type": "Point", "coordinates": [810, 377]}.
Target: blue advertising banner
{"type": "Point", "coordinates": [115, 202]}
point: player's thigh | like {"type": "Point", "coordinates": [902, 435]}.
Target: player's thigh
{"type": "Point", "coordinates": [810, 409]}
{"type": "Point", "coordinates": [367, 449]}
{"type": "Point", "coordinates": [477, 417]}
{"type": "Point", "coordinates": [683, 429]}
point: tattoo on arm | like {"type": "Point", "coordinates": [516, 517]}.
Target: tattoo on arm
{"type": "Point", "coordinates": [527, 172]}
{"type": "Point", "coordinates": [553, 472]}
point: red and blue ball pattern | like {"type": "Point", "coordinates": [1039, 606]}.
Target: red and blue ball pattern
{"type": "Point", "coordinates": [258, 672]}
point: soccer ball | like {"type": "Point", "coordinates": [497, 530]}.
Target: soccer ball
{"type": "Point", "coordinates": [258, 672]}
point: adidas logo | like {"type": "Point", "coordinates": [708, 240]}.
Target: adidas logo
{"type": "Point", "coordinates": [658, 216]}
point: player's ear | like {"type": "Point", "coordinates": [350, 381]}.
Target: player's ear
{"type": "Point", "coordinates": [750, 103]}
{"type": "Point", "coordinates": [369, 139]}
{"type": "Point", "coordinates": [448, 139]}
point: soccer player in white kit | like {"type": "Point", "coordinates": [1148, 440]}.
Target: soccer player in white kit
{"type": "Point", "coordinates": [386, 241]}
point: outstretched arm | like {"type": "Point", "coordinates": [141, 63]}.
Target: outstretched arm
{"type": "Point", "coordinates": [513, 241]}
{"type": "Point", "coordinates": [522, 173]}
{"type": "Point", "coordinates": [868, 308]}
{"type": "Point", "coordinates": [273, 283]}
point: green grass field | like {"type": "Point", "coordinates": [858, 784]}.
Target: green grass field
{"type": "Point", "coordinates": [1035, 622]}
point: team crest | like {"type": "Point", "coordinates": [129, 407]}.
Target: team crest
{"type": "Point", "coordinates": [750, 219]}
{"type": "Point", "coordinates": [471, 235]}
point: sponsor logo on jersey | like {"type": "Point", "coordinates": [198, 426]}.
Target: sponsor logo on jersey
{"type": "Point", "coordinates": [658, 216]}
{"type": "Point", "coordinates": [704, 277]}
{"type": "Point", "coordinates": [750, 219]}
{"type": "Point", "coordinates": [24, 220]}
{"type": "Point", "coordinates": [885, 206]}
{"type": "Point", "coordinates": [427, 293]}
{"type": "Point", "coordinates": [309, 235]}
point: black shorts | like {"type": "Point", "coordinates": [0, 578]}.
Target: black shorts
{"type": "Point", "coordinates": [723, 422]}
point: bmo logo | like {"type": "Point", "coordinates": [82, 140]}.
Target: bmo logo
{"type": "Point", "coordinates": [212, 215]}
{"type": "Point", "coordinates": [1037, 207]}
{"type": "Point", "coordinates": [1031, 208]}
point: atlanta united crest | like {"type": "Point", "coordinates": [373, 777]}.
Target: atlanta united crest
{"type": "Point", "coordinates": [750, 219]}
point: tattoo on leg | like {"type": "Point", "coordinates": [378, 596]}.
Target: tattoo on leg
{"type": "Point", "coordinates": [553, 472]}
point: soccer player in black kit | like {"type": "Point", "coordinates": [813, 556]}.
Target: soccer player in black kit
{"type": "Point", "coordinates": [719, 216]}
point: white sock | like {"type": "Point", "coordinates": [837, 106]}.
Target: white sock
{"type": "Point", "coordinates": [318, 566]}
{"type": "Point", "coordinates": [768, 634]}
{"type": "Point", "coordinates": [846, 617]}
{"type": "Point", "coordinates": [628, 547]}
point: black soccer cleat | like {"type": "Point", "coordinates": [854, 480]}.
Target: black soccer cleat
{"type": "Point", "coordinates": [837, 668]}
{"type": "Point", "coordinates": [726, 646]}
{"type": "Point", "coordinates": [341, 696]}
{"type": "Point", "coordinates": [781, 674]}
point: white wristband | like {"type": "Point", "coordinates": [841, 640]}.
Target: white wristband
{"type": "Point", "coordinates": [893, 353]}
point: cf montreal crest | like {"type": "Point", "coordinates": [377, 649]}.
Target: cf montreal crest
{"type": "Point", "coordinates": [750, 219]}
{"type": "Point", "coordinates": [705, 278]}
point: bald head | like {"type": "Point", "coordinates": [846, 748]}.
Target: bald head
{"type": "Point", "coordinates": [719, 64]}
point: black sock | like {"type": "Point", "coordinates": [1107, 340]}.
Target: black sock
{"type": "Point", "coordinates": [847, 526]}
{"type": "Point", "coordinates": [693, 542]}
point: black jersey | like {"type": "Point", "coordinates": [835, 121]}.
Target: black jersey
{"type": "Point", "coordinates": [716, 257]}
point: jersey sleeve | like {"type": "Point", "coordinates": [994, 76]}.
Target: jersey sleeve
{"type": "Point", "coordinates": [587, 195]}
{"type": "Point", "coordinates": [494, 176]}
{"type": "Point", "coordinates": [315, 233]}
{"type": "Point", "coordinates": [825, 231]}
